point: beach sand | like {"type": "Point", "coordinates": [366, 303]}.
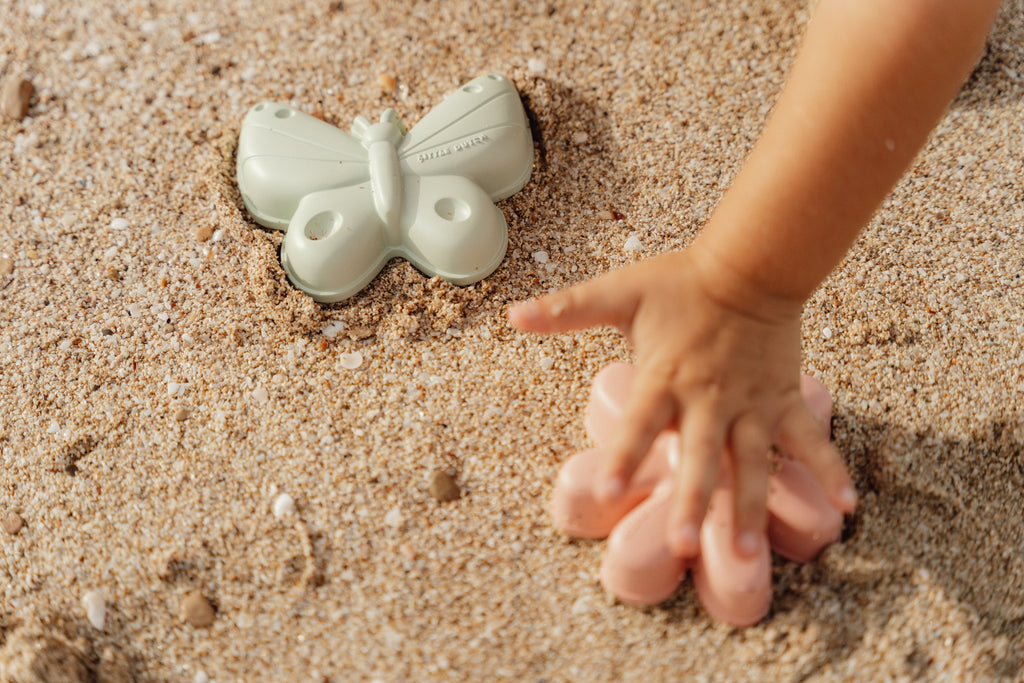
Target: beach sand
{"type": "Point", "coordinates": [162, 383]}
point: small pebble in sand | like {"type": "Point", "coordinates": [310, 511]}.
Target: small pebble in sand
{"type": "Point", "coordinates": [204, 233]}
{"type": "Point", "coordinates": [546, 363]}
{"type": "Point", "coordinates": [95, 608]}
{"type": "Point", "coordinates": [394, 518]}
{"type": "Point", "coordinates": [181, 414]}
{"type": "Point", "coordinates": [443, 487]}
{"type": "Point", "coordinates": [119, 224]}
{"type": "Point", "coordinates": [6, 266]}
{"type": "Point", "coordinates": [360, 332]}
{"type": "Point", "coordinates": [197, 610]}
{"type": "Point", "coordinates": [387, 83]}
{"type": "Point", "coordinates": [633, 243]}
{"type": "Point", "coordinates": [536, 66]}
{"type": "Point", "coordinates": [284, 506]}
{"type": "Point", "coordinates": [540, 257]}
{"type": "Point", "coordinates": [826, 333]}
{"type": "Point", "coordinates": [610, 215]}
{"type": "Point", "coordinates": [13, 523]}
{"type": "Point", "coordinates": [351, 361]}
{"type": "Point", "coordinates": [260, 395]}
{"type": "Point", "coordinates": [580, 138]}
{"type": "Point", "coordinates": [15, 96]}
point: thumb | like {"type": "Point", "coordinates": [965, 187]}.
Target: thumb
{"type": "Point", "coordinates": [607, 300]}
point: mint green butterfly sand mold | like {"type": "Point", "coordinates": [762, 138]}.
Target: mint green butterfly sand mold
{"type": "Point", "coordinates": [350, 202]}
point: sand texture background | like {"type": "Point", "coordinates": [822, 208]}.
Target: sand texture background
{"type": "Point", "coordinates": [161, 382]}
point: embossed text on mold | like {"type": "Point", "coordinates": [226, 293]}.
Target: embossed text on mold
{"type": "Point", "coordinates": [474, 141]}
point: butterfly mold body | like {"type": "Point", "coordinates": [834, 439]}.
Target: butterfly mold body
{"type": "Point", "coordinates": [351, 202]}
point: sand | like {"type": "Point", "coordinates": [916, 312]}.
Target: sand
{"type": "Point", "coordinates": [162, 383]}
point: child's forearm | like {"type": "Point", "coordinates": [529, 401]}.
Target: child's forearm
{"type": "Point", "coordinates": [871, 80]}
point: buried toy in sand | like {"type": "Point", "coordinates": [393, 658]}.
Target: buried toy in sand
{"type": "Point", "coordinates": [352, 202]}
{"type": "Point", "coordinates": [638, 567]}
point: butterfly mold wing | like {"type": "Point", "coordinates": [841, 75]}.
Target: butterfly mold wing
{"type": "Point", "coordinates": [283, 155]}
{"type": "Point", "coordinates": [337, 242]}
{"type": "Point", "coordinates": [479, 131]}
{"type": "Point", "coordinates": [455, 230]}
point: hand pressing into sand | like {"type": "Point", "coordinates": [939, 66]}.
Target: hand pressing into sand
{"type": "Point", "coordinates": [716, 328]}
{"type": "Point", "coordinates": [717, 361]}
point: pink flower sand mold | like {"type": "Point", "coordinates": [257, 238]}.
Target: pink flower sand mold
{"type": "Point", "coordinates": [638, 567]}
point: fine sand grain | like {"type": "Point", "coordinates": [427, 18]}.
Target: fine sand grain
{"type": "Point", "coordinates": [162, 384]}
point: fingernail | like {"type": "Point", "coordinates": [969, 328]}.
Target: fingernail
{"type": "Point", "coordinates": [612, 489]}
{"type": "Point", "coordinates": [687, 540]}
{"type": "Point", "coordinates": [848, 499]}
{"type": "Point", "coordinates": [533, 310]}
{"type": "Point", "coordinates": [748, 543]}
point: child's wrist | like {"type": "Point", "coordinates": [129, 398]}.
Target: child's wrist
{"type": "Point", "coordinates": [733, 286]}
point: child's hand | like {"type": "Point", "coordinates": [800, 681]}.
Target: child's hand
{"type": "Point", "coordinates": [716, 360]}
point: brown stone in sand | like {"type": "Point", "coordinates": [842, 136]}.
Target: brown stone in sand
{"type": "Point", "coordinates": [197, 610]}
{"type": "Point", "coordinates": [15, 96]}
{"type": "Point", "coordinates": [387, 83]}
{"type": "Point", "coordinates": [13, 523]}
{"type": "Point", "coordinates": [443, 487]}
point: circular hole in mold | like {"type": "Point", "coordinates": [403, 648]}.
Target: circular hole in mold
{"type": "Point", "coordinates": [472, 87]}
{"type": "Point", "coordinates": [452, 209]}
{"type": "Point", "coordinates": [323, 224]}
{"type": "Point", "coordinates": [284, 113]}
{"type": "Point", "coordinates": [259, 107]}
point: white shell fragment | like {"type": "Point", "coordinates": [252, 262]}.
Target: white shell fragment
{"type": "Point", "coordinates": [633, 244]}
{"type": "Point", "coordinates": [333, 329]}
{"type": "Point", "coordinates": [284, 506]}
{"type": "Point", "coordinates": [540, 256]}
{"type": "Point", "coordinates": [581, 606]}
{"type": "Point", "coordinates": [394, 518]}
{"type": "Point", "coordinates": [351, 361]}
{"type": "Point", "coordinates": [95, 608]}
{"type": "Point", "coordinates": [260, 395]}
